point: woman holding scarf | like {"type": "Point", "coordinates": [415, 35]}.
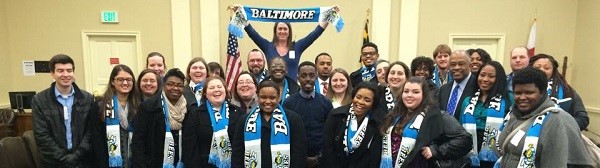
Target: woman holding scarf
{"type": "Point", "coordinates": [560, 91]}
{"type": "Point", "coordinates": [113, 122]}
{"type": "Point", "coordinates": [157, 138]}
{"type": "Point", "coordinates": [269, 135]}
{"type": "Point", "coordinates": [196, 73]}
{"type": "Point", "coordinates": [350, 136]}
{"type": "Point", "coordinates": [417, 134]}
{"type": "Point", "coordinates": [482, 114]}
{"type": "Point", "coordinates": [207, 130]}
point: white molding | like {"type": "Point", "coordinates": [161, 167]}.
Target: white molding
{"type": "Point", "coordinates": [210, 30]}
{"type": "Point", "coordinates": [595, 110]}
{"type": "Point", "coordinates": [182, 32]}
{"type": "Point", "coordinates": [85, 41]}
{"type": "Point", "coordinates": [499, 37]}
{"type": "Point", "coordinates": [409, 30]}
{"type": "Point", "coordinates": [381, 23]}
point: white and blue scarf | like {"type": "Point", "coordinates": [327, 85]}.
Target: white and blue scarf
{"type": "Point", "coordinates": [286, 91]}
{"type": "Point", "coordinates": [409, 139]}
{"type": "Point", "coordinates": [197, 90]}
{"type": "Point", "coordinates": [495, 113]}
{"type": "Point", "coordinates": [220, 149]}
{"type": "Point", "coordinates": [527, 159]}
{"type": "Point", "coordinates": [354, 134]}
{"type": "Point", "coordinates": [113, 133]}
{"type": "Point", "coordinates": [436, 77]}
{"type": "Point", "coordinates": [367, 72]}
{"type": "Point", "coordinates": [280, 139]}
{"type": "Point", "coordinates": [390, 99]}
{"type": "Point", "coordinates": [559, 98]}
{"type": "Point", "coordinates": [169, 146]}
{"type": "Point", "coordinates": [318, 14]}
{"type": "Point", "coordinates": [261, 76]}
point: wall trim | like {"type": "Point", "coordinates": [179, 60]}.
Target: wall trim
{"type": "Point", "coordinates": [593, 110]}
{"type": "Point", "coordinates": [85, 39]}
{"type": "Point", "coordinates": [499, 37]}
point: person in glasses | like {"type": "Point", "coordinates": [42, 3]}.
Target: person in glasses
{"type": "Point", "coordinates": [368, 57]}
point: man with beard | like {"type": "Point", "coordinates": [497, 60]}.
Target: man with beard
{"type": "Point", "coordinates": [256, 65]}
{"type": "Point", "coordinates": [278, 74]}
{"type": "Point", "coordinates": [323, 63]}
{"type": "Point", "coordinates": [368, 57]}
{"type": "Point", "coordinates": [313, 108]}
{"type": "Point", "coordinates": [453, 93]}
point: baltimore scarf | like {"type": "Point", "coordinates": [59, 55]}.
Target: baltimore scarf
{"type": "Point", "coordinates": [318, 14]}
{"type": "Point", "coordinates": [354, 136]}
{"type": "Point", "coordinates": [169, 146]}
{"type": "Point", "coordinates": [286, 91]}
{"type": "Point", "coordinates": [390, 99]}
{"type": "Point", "coordinates": [220, 149]}
{"type": "Point", "coordinates": [409, 138]}
{"type": "Point", "coordinates": [113, 132]}
{"type": "Point", "coordinates": [495, 113]}
{"type": "Point", "coordinates": [280, 138]}
{"type": "Point", "coordinates": [529, 150]}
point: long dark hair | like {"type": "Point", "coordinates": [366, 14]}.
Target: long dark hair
{"type": "Point", "coordinates": [556, 77]}
{"type": "Point", "coordinates": [110, 92]}
{"type": "Point", "coordinates": [400, 110]}
{"type": "Point", "coordinates": [499, 87]}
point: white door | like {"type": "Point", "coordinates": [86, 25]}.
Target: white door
{"type": "Point", "coordinates": [494, 45]}
{"type": "Point", "coordinates": [104, 52]}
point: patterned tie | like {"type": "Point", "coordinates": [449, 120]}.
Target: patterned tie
{"type": "Point", "coordinates": [453, 100]}
{"type": "Point", "coordinates": [324, 88]}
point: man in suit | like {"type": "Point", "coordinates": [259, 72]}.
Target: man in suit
{"type": "Point", "coordinates": [452, 94]}
{"type": "Point", "coordinates": [323, 63]}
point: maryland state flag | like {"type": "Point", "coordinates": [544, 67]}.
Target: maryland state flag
{"type": "Point", "coordinates": [366, 32]}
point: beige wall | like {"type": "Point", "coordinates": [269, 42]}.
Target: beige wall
{"type": "Point", "coordinates": [513, 18]}
{"type": "Point", "coordinates": [585, 65]}
{"type": "Point", "coordinates": [4, 45]}
{"type": "Point", "coordinates": [41, 29]}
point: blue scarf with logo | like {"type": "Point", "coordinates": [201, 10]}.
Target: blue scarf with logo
{"type": "Point", "coordinates": [220, 151]}
{"type": "Point", "coordinates": [280, 138]}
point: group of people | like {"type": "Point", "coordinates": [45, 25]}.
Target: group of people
{"type": "Point", "coordinates": [455, 109]}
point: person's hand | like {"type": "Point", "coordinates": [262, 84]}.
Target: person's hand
{"type": "Point", "coordinates": [235, 7]}
{"type": "Point", "coordinates": [336, 8]}
{"type": "Point", "coordinates": [426, 152]}
{"type": "Point", "coordinates": [312, 161]}
{"type": "Point", "coordinates": [71, 159]}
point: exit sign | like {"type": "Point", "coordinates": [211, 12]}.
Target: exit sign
{"type": "Point", "coordinates": [109, 17]}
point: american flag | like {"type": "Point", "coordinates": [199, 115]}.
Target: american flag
{"type": "Point", "coordinates": [234, 65]}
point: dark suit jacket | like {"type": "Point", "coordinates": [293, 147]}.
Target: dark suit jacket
{"type": "Point", "coordinates": [446, 89]}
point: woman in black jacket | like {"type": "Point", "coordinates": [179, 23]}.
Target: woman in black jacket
{"type": "Point", "coordinates": [340, 148]}
{"type": "Point", "coordinates": [210, 125]}
{"type": "Point", "coordinates": [115, 113]}
{"type": "Point", "coordinates": [417, 134]}
{"type": "Point", "coordinates": [156, 139]}
{"type": "Point", "coordinates": [254, 145]}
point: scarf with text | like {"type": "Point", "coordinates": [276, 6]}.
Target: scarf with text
{"type": "Point", "coordinates": [527, 159]}
{"type": "Point", "coordinates": [390, 99]}
{"type": "Point", "coordinates": [113, 120]}
{"type": "Point", "coordinates": [220, 149]}
{"type": "Point", "coordinates": [354, 136]}
{"type": "Point", "coordinates": [280, 138]}
{"type": "Point", "coordinates": [409, 139]}
{"type": "Point", "coordinates": [319, 14]}
{"type": "Point", "coordinates": [286, 91]}
{"type": "Point", "coordinates": [559, 97]}
{"type": "Point", "coordinates": [495, 113]}
{"type": "Point", "coordinates": [169, 145]}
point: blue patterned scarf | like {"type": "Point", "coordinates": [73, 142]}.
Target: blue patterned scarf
{"type": "Point", "coordinates": [367, 72]}
{"type": "Point", "coordinates": [409, 139]}
{"type": "Point", "coordinates": [220, 151]}
{"type": "Point", "coordinates": [436, 77]}
{"type": "Point", "coordinates": [280, 138]}
{"type": "Point", "coordinates": [354, 134]}
{"type": "Point", "coordinates": [318, 14]}
{"type": "Point", "coordinates": [113, 134]}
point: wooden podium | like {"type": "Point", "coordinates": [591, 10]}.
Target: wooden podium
{"type": "Point", "coordinates": [23, 122]}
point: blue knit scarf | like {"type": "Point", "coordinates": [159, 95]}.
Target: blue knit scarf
{"type": "Point", "coordinates": [318, 14]}
{"type": "Point", "coordinates": [280, 138]}
{"type": "Point", "coordinates": [409, 138]}
{"type": "Point", "coordinates": [354, 134]}
{"type": "Point", "coordinates": [220, 151]}
{"type": "Point", "coordinates": [559, 98]}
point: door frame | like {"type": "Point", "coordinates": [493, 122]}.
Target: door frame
{"type": "Point", "coordinates": [87, 62]}
{"type": "Point", "coordinates": [497, 37]}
